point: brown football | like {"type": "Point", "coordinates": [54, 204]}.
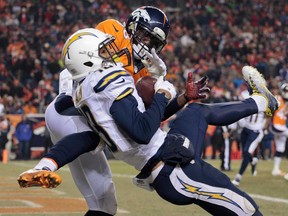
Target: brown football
{"type": "Point", "coordinates": [145, 89]}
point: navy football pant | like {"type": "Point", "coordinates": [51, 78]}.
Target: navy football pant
{"type": "Point", "coordinates": [204, 185]}
{"type": "Point", "coordinates": [193, 121]}
{"type": "Point", "coordinates": [199, 182]}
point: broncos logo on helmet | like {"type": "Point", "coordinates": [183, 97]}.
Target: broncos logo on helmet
{"type": "Point", "coordinates": [149, 27]}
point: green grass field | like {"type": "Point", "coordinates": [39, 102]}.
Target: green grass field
{"type": "Point", "coordinates": [271, 193]}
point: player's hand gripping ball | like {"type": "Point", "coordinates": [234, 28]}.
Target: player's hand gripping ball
{"type": "Point", "coordinates": [145, 89]}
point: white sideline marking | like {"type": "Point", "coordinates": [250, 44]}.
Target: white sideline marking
{"type": "Point", "coordinates": [267, 198]}
{"type": "Point", "coordinates": [26, 203]}
{"type": "Point", "coordinates": [121, 211]}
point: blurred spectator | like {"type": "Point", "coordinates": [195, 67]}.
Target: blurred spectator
{"type": "Point", "coordinates": [2, 107]}
{"type": "Point", "coordinates": [283, 72]}
{"type": "Point", "coordinates": [4, 130]}
{"type": "Point", "coordinates": [29, 108]}
{"type": "Point", "coordinates": [266, 145]}
{"type": "Point", "coordinates": [23, 134]}
{"type": "Point", "coordinates": [47, 140]}
{"type": "Point", "coordinates": [214, 38]}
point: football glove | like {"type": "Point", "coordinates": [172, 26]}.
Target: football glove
{"type": "Point", "coordinates": [196, 90]}
{"type": "Point", "coordinates": [154, 64]}
{"type": "Point", "coordinates": [168, 87]}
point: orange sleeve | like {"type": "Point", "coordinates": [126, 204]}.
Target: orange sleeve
{"type": "Point", "coordinates": [141, 73]}
{"type": "Point", "coordinates": [279, 117]}
{"type": "Point", "coordinates": [116, 29]}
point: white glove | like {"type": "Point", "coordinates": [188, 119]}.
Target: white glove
{"type": "Point", "coordinates": [65, 82]}
{"type": "Point", "coordinates": [154, 64]}
{"type": "Point", "coordinates": [166, 87]}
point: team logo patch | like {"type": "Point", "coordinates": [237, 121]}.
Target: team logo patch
{"type": "Point", "coordinates": [199, 191]}
{"type": "Point", "coordinates": [205, 192]}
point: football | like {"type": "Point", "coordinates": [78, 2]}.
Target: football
{"type": "Point", "coordinates": [145, 89]}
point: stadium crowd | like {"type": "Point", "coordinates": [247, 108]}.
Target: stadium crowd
{"type": "Point", "coordinates": [214, 38]}
{"type": "Point", "coordinates": [207, 37]}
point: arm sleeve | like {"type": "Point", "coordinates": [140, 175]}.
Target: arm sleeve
{"type": "Point", "coordinates": [139, 126]}
{"type": "Point", "coordinates": [63, 102]}
{"type": "Point", "coordinates": [64, 105]}
{"type": "Point", "coordinates": [171, 109]}
{"type": "Point", "coordinates": [70, 147]}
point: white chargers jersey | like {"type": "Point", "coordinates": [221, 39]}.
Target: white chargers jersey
{"type": "Point", "coordinates": [255, 122]}
{"type": "Point", "coordinates": [94, 97]}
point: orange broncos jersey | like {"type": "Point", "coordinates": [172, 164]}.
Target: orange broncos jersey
{"type": "Point", "coordinates": [279, 117]}
{"type": "Point", "coordinates": [116, 29]}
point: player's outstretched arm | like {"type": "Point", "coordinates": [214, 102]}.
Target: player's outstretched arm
{"type": "Point", "coordinates": [194, 91]}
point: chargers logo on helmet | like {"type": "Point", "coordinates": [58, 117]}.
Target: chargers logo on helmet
{"type": "Point", "coordinates": [72, 40]}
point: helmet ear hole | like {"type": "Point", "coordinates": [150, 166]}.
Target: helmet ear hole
{"type": "Point", "coordinates": [88, 64]}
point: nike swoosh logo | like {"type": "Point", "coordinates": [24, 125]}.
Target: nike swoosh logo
{"type": "Point", "coordinates": [121, 81]}
{"type": "Point", "coordinates": [115, 28]}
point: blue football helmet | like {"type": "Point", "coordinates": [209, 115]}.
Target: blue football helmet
{"type": "Point", "coordinates": [284, 91]}
{"type": "Point", "coordinates": [148, 26]}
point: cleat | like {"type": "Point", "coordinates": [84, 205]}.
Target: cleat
{"type": "Point", "coordinates": [236, 182]}
{"type": "Point", "coordinates": [39, 178]}
{"type": "Point", "coordinates": [253, 166]}
{"type": "Point", "coordinates": [254, 173]}
{"type": "Point", "coordinates": [257, 83]}
{"type": "Point", "coordinates": [278, 173]}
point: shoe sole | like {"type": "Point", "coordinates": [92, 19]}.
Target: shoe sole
{"type": "Point", "coordinates": [282, 174]}
{"type": "Point", "coordinates": [257, 82]}
{"type": "Point", "coordinates": [235, 183]}
{"type": "Point", "coordinates": [247, 73]}
{"type": "Point", "coordinates": [44, 179]}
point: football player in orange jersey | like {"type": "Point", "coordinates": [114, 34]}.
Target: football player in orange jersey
{"type": "Point", "coordinates": [144, 35]}
{"type": "Point", "coordinates": [280, 130]}
{"type": "Point", "coordinates": [146, 28]}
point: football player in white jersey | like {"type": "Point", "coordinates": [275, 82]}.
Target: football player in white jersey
{"type": "Point", "coordinates": [169, 163]}
{"type": "Point", "coordinates": [251, 135]}
{"type": "Point", "coordinates": [90, 171]}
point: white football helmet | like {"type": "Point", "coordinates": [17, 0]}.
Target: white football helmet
{"type": "Point", "coordinates": [284, 91]}
{"type": "Point", "coordinates": [88, 50]}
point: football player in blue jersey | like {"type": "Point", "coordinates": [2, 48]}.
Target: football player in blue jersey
{"type": "Point", "coordinates": [169, 163]}
{"type": "Point", "coordinates": [251, 135]}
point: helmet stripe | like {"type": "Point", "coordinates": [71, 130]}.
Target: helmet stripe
{"type": "Point", "coordinates": [73, 39]}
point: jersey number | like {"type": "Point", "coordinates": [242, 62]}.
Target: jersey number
{"type": "Point", "coordinates": [96, 128]}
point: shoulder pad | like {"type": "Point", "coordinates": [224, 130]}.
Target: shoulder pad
{"type": "Point", "coordinates": [116, 76]}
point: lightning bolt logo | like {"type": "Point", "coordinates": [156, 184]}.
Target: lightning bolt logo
{"type": "Point", "coordinates": [197, 190]}
{"type": "Point", "coordinates": [72, 40]}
